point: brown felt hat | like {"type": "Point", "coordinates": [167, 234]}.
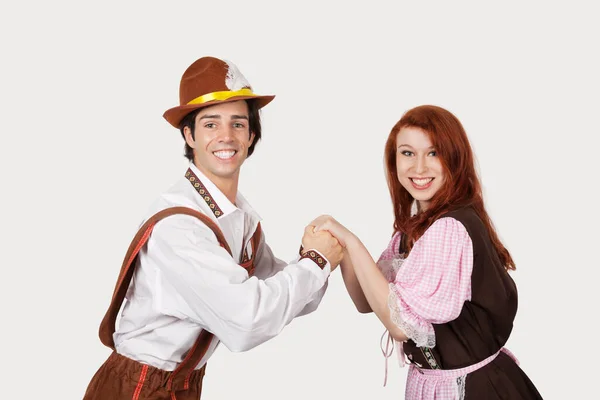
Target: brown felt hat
{"type": "Point", "coordinates": [209, 81]}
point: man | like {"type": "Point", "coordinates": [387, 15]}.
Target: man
{"type": "Point", "coordinates": [200, 270]}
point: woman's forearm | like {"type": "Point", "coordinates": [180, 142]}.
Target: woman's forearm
{"type": "Point", "coordinates": [353, 286]}
{"type": "Point", "coordinates": [373, 285]}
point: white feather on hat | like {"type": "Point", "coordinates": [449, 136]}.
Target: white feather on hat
{"type": "Point", "coordinates": [235, 80]}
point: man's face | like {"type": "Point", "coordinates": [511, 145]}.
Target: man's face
{"type": "Point", "coordinates": [221, 140]}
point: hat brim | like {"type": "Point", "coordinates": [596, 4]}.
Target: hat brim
{"type": "Point", "coordinates": [175, 115]}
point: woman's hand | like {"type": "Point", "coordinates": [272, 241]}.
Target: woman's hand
{"type": "Point", "coordinates": [328, 223]}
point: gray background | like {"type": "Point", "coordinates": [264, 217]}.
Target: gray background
{"type": "Point", "coordinates": [85, 151]}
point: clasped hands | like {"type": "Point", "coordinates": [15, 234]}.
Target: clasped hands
{"type": "Point", "coordinates": [328, 237]}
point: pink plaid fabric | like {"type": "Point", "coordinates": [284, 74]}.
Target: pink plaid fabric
{"type": "Point", "coordinates": [433, 282]}
{"type": "Point", "coordinates": [436, 384]}
{"type": "Point", "coordinates": [392, 250]}
{"type": "Point", "coordinates": [431, 285]}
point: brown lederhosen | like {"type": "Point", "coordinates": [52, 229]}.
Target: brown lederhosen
{"type": "Point", "coordinates": [121, 378]}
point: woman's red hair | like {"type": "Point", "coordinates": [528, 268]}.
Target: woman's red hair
{"type": "Point", "coordinates": [461, 187]}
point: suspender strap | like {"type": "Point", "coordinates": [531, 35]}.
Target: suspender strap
{"type": "Point", "coordinates": [180, 377]}
{"type": "Point", "coordinates": [248, 263]}
{"type": "Point", "coordinates": [256, 240]}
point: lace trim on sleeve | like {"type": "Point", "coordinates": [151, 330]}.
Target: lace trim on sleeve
{"type": "Point", "coordinates": [423, 336]}
{"type": "Point", "coordinates": [390, 267]}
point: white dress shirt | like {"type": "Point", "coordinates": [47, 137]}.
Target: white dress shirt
{"type": "Point", "coordinates": [185, 282]}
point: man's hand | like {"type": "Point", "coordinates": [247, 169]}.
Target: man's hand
{"type": "Point", "coordinates": [325, 244]}
{"type": "Point", "coordinates": [329, 224]}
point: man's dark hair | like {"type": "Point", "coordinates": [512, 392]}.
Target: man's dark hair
{"type": "Point", "coordinates": [253, 123]}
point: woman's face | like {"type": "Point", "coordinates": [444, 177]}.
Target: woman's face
{"type": "Point", "coordinates": [419, 168]}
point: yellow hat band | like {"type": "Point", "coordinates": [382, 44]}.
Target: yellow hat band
{"type": "Point", "coordinates": [224, 95]}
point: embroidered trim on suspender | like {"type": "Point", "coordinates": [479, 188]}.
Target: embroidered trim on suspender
{"type": "Point", "coordinates": [203, 192]}
{"type": "Point", "coordinates": [430, 358]}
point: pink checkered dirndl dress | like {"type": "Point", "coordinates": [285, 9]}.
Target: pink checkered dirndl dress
{"type": "Point", "coordinates": [456, 303]}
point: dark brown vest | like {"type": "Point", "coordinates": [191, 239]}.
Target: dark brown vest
{"type": "Point", "coordinates": [486, 321]}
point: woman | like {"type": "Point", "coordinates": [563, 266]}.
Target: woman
{"type": "Point", "coordinates": [442, 286]}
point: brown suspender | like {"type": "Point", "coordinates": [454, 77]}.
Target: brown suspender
{"type": "Point", "coordinates": [179, 379]}
{"type": "Point", "coordinates": [249, 264]}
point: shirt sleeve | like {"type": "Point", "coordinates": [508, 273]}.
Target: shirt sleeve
{"type": "Point", "coordinates": [433, 282]}
{"type": "Point", "coordinates": [198, 280]}
{"type": "Point", "coordinates": [267, 265]}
